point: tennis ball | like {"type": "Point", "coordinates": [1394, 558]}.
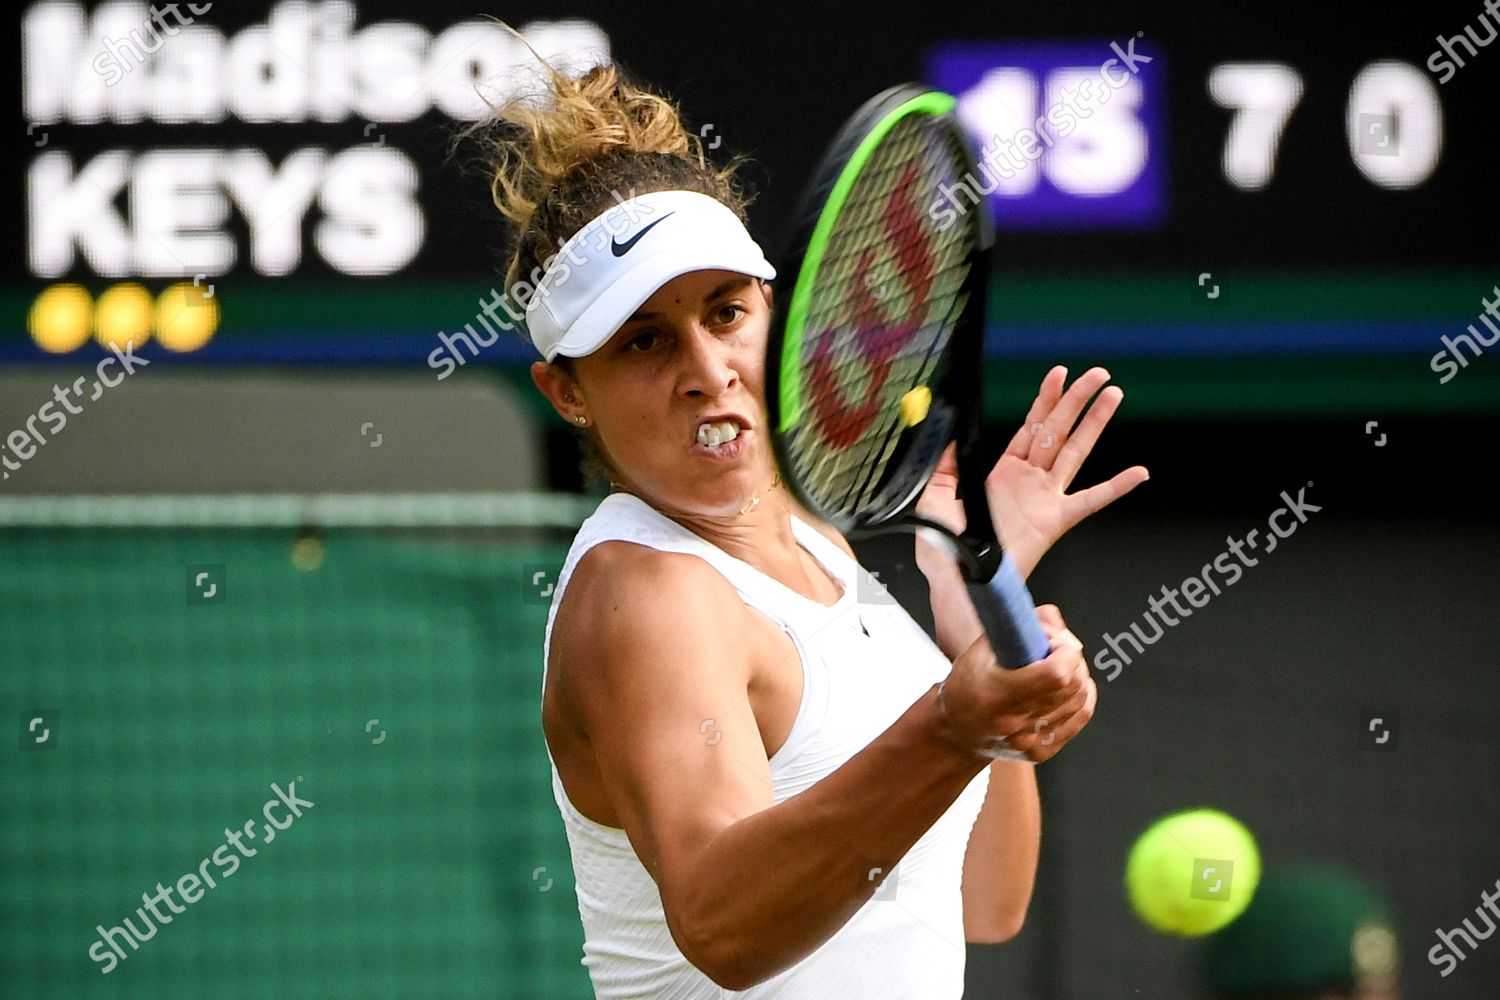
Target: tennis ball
{"type": "Point", "coordinates": [914, 405]}
{"type": "Point", "coordinates": [1192, 872]}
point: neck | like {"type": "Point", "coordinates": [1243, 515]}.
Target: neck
{"type": "Point", "coordinates": [750, 505]}
{"type": "Point", "coordinates": [760, 534]}
{"type": "Point", "coordinates": [762, 526]}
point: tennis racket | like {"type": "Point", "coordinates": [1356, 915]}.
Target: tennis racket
{"type": "Point", "coordinates": [875, 363]}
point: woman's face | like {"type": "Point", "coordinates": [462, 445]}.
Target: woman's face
{"type": "Point", "coordinates": [692, 355]}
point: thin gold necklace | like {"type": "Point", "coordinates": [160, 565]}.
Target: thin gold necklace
{"type": "Point", "coordinates": [754, 501]}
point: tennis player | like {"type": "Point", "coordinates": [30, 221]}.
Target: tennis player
{"type": "Point", "coordinates": [772, 781]}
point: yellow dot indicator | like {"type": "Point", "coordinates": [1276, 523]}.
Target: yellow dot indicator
{"type": "Point", "coordinates": [915, 404]}
{"type": "Point", "coordinates": [61, 318]}
{"type": "Point", "coordinates": [124, 315]}
{"type": "Point", "coordinates": [187, 316]}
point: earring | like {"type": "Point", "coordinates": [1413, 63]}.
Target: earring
{"type": "Point", "coordinates": [580, 419]}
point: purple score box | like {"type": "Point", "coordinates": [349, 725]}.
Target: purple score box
{"type": "Point", "coordinates": [1097, 157]}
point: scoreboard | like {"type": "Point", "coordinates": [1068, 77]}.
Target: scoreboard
{"type": "Point", "coordinates": [275, 182]}
{"type": "Point", "coordinates": [1077, 135]}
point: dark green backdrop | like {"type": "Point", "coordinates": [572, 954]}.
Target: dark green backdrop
{"type": "Point", "coordinates": [433, 863]}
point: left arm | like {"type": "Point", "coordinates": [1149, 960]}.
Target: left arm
{"type": "Point", "coordinates": [1027, 491]}
{"type": "Point", "coordinates": [1001, 859]}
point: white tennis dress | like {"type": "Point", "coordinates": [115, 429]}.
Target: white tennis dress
{"type": "Point", "coordinates": [908, 941]}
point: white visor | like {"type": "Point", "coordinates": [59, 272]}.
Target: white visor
{"type": "Point", "coordinates": [606, 270]}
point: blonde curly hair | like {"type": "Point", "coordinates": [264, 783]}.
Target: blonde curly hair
{"type": "Point", "coordinates": [558, 159]}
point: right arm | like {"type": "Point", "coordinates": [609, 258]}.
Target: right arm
{"type": "Point", "coordinates": [652, 645]}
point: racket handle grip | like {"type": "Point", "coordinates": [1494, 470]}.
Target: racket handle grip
{"type": "Point", "coordinates": [1009, 617]}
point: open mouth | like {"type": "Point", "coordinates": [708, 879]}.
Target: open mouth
{"type": "Point", "coordinates": [721, 436]}
{"type": "Point", "coordinates": [717, 432]}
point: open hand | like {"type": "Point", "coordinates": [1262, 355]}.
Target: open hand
{"type": "Point", "coordinates": [1027, 488]}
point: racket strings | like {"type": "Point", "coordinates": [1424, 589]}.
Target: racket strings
{"type": "Point", "coordinates": [887, 296]}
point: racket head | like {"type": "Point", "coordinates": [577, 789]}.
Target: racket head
{"type": "Point", "coordinates": [873, 365]}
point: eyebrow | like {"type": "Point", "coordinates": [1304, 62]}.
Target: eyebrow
{"type": "Point", "coordinates": [732, 285]}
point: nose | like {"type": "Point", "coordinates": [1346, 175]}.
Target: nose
{"type": "Point", "coordinates": [708, 369]}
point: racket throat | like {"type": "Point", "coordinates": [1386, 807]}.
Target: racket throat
{"type": "Point", "coordinates": [977, 558]}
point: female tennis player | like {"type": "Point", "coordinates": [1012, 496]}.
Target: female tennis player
{"type": "Point", "coordinates": [772, 781]}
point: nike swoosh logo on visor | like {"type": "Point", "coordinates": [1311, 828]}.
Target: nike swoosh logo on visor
{"type": "Point", "coordinates": [621, 249]}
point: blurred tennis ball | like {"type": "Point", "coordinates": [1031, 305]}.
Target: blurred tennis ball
{"type": "Point", "coordinates": [1192, 872]}
{"type": "Point", "coordinates": [915, 404]}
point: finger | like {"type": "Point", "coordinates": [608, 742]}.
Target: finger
{"type": "Point", "coordinates": [1046, 398]}
{"type": "Point", "coordinates": [1078, 713]}
{"type": "Point", "coordinates": [1064, 639]}
{"type": "Point", "coordinates": [935, 501]}
{"type": "Point", "coordinates": [1052, 716]}
{"type": "Point", "coordinates": [1077, 506]}
{"type": "Point", "coordinates": [1040, 688]}
{"type": "Point", "coordinates": [1034, 689]}
{"type": "Point", "coordinates": [1059, 636]}
{"type": "Point", "coordinates": [1051, 738]}
{"type": "Point", "coordinates": [1057, 426]}
{"type": "Point", "coordinates": [1056, 720]}
{"type": "Point", "coordinates": [1061, 641]}
{"type": "Point", "coordinates": [945, 474]}
{"type": "Point", "coordinates": [1071, 455]}
{"type": "Point", "coordinates": [1045, 735]}
{"type": "Point", "coordinates": [948, 461]}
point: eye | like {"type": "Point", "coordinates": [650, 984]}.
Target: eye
{"type": "Point", "coordinates": [729, 312]}
{"type": "Point", "coordinates": [642, 342]}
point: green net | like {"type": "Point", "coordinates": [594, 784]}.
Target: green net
{"type": "Point", "coordinates": [160, 682]}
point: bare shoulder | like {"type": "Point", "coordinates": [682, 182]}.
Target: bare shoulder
{"type": "Point", "coordinates": [623, 585]}
{"type": "Point", "coordinates": [630, 612]}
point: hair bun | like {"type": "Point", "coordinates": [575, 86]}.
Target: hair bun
{"type": "Point", "coordinates": [557, 159]}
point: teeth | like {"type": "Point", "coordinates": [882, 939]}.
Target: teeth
{"type": "Point", "coordinates": [714, 435]}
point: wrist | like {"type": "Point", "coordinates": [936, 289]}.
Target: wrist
{"type": "Point", "coordinates": [955, 622]}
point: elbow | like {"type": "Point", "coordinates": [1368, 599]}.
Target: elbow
{"type": "Point", "coordinates": [729, 966]}
{"type": "Point", "coordinates": [716, 951]}
{"type": "Point", "coordinates": [733, 976]}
